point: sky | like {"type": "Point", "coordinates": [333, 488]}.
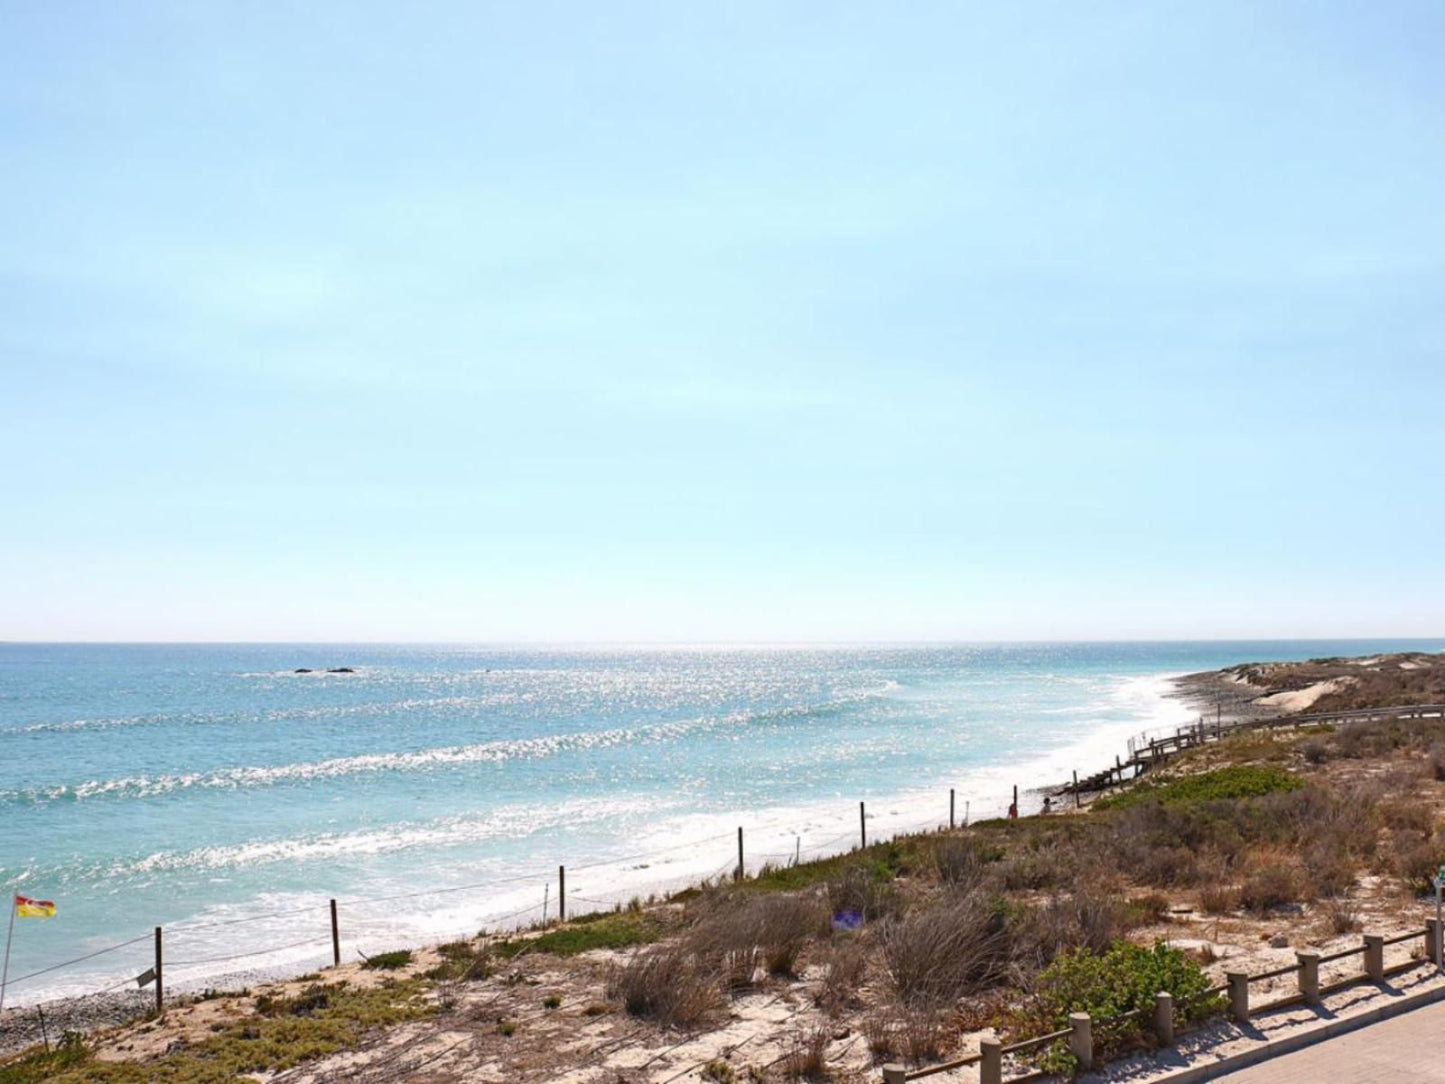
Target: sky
{"type": "Point", "coordinates": [763, 322]}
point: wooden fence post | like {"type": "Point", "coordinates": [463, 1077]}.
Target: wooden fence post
{"type": "Point", "coordinates": [335, 938]}
{"type": "Point", "coordinates": [990, 1067]}
{"type": "Point", "coordinates": [160, 993]}
{"type": "Point", "coordinates": [950, 807]}
{"type": "Point", "coordinates": [1309, 976]}
{"type": "Point", "coordinates": [1432, 941]}
{"type": "Point", "coordinates": [561, 893]}
{"type": "Point", "coordinates": [862, 826]}
{"type": "Point", "coordinates": [1076, 788]}
{"type": "Point", "coordinates": [1081, 1040]}
{"type": "Point", "coordinates": [1164, 1018]}
{"type": "Point", "coordinates": [1238, 995]}
{"type": "Point", "coordinates": [1375, 956]}
{"type": "Point", "coordinates": [741, 867]}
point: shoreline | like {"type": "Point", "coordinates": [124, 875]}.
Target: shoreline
{"type": "Point", "coordinates": [661, 865]}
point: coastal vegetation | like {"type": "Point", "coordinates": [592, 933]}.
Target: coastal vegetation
{"type": "Point", "coordinates": [276, 1034]}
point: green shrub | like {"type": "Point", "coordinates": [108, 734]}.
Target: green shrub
{"type": "Point", "coordinates": [461, 961]}
{"type": "Point", "coordinates": [388, 961]}
{"type": "Point", "coordinates": [1125, 978]}
{"type": "Point", "coordinates": [1240, 781]}
{"type": "Point", "coordinates": [611, 930]}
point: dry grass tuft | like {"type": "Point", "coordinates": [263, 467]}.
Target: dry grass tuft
{"type": "Point", "coordinates": [947, 951]}
{"type": "Point", "coordinates": [739, 936]}
{"type": "Point", "coordinates": [845, 965]}
{"type": "Point", "coordinates": [667, 984]}
{"type": "Point", "coordinates": [807, 1055]}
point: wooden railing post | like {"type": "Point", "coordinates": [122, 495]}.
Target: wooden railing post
{"type": "Point", "coordinates": [1164, 1018]}
{"type": "Point", "coordinates": [561, 893]}
{"type": "Point", "coordinates": [990, 1067]}
{"type": "Point", "coordinates": [335, 938]}
{"type": "Point", "coordinates": [862, 826]}
{"type": "Point", "coordinates": [160, 989]}
{"type": "Point", "coordinates": [1309, 976]}
{"type": "Point", "coordinates": [1081, 1040]}
{"type": "Point", "coordinates": [741, 867]}
{"type": "Point", "coordinates": [1375, 956]}
{"type": "Point", "coordinates": [1238, 995]}
{"type": "Point", "coordinates": [950, 807]}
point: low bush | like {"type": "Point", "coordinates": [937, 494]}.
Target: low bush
{"type": "Point", "coordinates": [1407, 815]}
{"type": "Point", "coordinates": [1437, 761]}
{"type": "Point", "coordinates": [1218, 898]}
{"type": "Point", "coordinates": [1415, 860]}
{"type": "Point", "coordinates": [1038, 867]}
{"type": "Point", "coordinates": [917, 1036]}
{"type": "Point", "coordinates": [387, 961]}
{"type": "Point", "coordinates": [1087, 919]}
{"type": "Point", "coordinates": [806, 1057]}
{"type": "Point", "coordinates": [1125, 978]}
{"type": "Point", "coordinates": [1238, 781]}
{"type": "Point", "coordinates": [667, 984]}
{"type": "Point", "coordinates": [1272, 880]}
{"type": "Point", "coordinates": [936, 955]}
{"type": "Point", "coordinates": [965, 862]}
{"type": "Point", "coordinates": [610, 930]}
{"type": "Point", "coordinates": [858, 889]}
{"type": "Point", "coordinates": [737, 936]}
{"type": "Point", "coordinates": [1341, 917]}
{"type": "Point", "coordinates": [845, 965]}
{"type": "Point", "coordinates": [461, 961]}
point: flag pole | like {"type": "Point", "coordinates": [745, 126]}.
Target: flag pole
{"type": "Point", "coordinates": [5, 975]}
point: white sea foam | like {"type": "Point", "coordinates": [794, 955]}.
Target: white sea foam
{"type": "Point", "coordinates": [145, 786]}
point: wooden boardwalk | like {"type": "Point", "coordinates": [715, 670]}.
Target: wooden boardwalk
{"type": "Point", "coordinates": [1146, 751]}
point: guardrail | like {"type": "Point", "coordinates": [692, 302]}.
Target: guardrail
{"type": "Point", "coordinates": [1079, 1033]}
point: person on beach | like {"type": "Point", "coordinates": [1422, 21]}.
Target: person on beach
{"type": "Point", "coordinates": [1013, 811]}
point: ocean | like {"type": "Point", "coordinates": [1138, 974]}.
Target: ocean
{"type": "Point", "coordinates": [435, 790]}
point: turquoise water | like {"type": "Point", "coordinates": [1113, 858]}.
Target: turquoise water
{"type": "Point", "coordinates": [202, 786]}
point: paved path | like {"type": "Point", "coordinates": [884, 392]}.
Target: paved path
{"type": "Point", "coordinates": [1408, 1049]}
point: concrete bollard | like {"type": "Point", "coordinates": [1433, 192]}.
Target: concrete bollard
{"type": "Point", "coordinates": [1164, 1018]}
{"type": "Point", "coordinates": [1081, 1040]}
{"type": "Point", "coordinates": [1309, 976]}
{"type": "Point", "coordinates": [1432, 941]}
{"type": "Point", "coordinates": [894, 1074]}
{"type": "Point", "coordinates": [1375, 956]}
{"type": "Point", "coordinates": [1238, 995]}
{"type": "Point", "coordinates": [990, 1069]}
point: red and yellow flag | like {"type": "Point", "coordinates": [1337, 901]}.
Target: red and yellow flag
{"type": "Point", "coordinates": [25, 907]}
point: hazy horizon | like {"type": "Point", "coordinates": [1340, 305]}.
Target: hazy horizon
{"type": "Point", "coordinates": [341, 322]}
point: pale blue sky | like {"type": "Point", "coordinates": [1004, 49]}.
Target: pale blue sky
{"type": "Point", "coordinates": [747, 321]}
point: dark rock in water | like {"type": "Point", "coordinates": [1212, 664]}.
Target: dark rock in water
{"type": "Point", "coordinates": [341, 670]}
{"type": "Point", "coordinates": [301, 670]}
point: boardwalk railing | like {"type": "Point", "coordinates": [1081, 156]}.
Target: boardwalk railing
{"type": "Point", "coordinates": [1079, 1033]}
